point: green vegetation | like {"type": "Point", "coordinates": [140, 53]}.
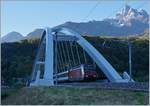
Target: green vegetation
{"type": "Point", "coordinates": [75, 96]}
{"type": "Point", "coordinates": [17, 58]}
{"type": "Point", "coordinates": [16, 67]}
{"type": "Point", "coordinates": [117, 54]}
{"type": "Point", "coordinates": [7, 92]}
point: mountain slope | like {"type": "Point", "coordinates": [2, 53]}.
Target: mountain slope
{"type": "Point", "coordinates": [127, 22]}
{"type": "Point", "coordinates": [12, 37]}
{"type": "Point", "coordinates": [128, 14]}
{"type": "Point", "coordinates": [37, 33]}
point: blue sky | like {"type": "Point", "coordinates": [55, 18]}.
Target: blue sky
{"type": "Point", "coordinates": [25, 16]}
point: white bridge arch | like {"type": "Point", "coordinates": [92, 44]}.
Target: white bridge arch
{"type": "Point", "coordinates": [48, 38]}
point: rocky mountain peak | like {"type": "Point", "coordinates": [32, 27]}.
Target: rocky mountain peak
{"type": "Point", "coordinates": [125, 10]}
{"type": "Point", "coordinates": [128, 14]}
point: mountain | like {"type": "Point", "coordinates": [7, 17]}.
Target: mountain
{"type": "Point", "coordinates": [15, 36]}
{"type": "Point", "coordinates": [12, 37]}
{"type": "Point", "coordinates": [37, 33]}
{"type": "Point", "coordinates": [145, 34]}
{"type": "Point", "coordinates": [128, 15]}
{"type": "Point", "coordinates": [128, 21]}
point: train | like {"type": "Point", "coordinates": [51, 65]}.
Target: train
{"type": "Point", "coordinates": [83, 72]}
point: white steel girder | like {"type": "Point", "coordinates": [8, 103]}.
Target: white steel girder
{"type": "Point", "coordinates": [48, 64]}
{"type": "Point", "coordinates": [97, 57]}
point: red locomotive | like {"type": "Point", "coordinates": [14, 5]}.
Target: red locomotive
{"type": "Point", "coordinates": [78, 73]}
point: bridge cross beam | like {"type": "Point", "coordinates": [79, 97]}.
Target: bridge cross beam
{"type": "Point", "coordinates": [49, 68]}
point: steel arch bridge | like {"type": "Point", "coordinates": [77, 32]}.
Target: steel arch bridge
{"type": "Point", "coordinates": [47, 66]}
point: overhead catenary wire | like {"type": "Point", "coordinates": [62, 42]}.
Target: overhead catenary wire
{"type": "Point", "coordinates": [91, 10]}
{"type": "Point", "coordinates": [130, 47]}
{"type": "Point", "coordinates": [67, 57]}
{"type": "Point", "coordinates": [89, 13]}
{"type": "Point", "coordinates": [130, 50]}
{"type": "Point", "coordinates": [84, 19]}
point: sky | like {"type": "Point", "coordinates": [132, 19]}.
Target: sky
{"type": "Point", "coordinates": [25, 16]}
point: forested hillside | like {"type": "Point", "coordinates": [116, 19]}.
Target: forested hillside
{"type": "Point", "coordinates": [17, 58]}
{"type": "Point", "coordinates": [117, 54]}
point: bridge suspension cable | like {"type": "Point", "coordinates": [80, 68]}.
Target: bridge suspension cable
{"type": "Point", "coordinates": [64, 55]}
{"type": "Point", "coordinates": [59, 58]}
{"type": "Point", "coordinates": [72, 53]}
{"type": "Point", "coordinates": [78, 53]}
{"type": "Point", "coordinates": [84, 56]}
{"type": "Point", "coordinates": [56, 54]}
{"type": "Point", "coordinates": [91, 10]}
{"type": "Point", "coordinates": [67, 50]}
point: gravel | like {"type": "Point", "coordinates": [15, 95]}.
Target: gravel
{"type": "Point", "coordinates": [136, 86]}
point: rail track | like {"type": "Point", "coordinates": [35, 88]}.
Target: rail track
{"type": "Point", "coordinates": [137, 86]}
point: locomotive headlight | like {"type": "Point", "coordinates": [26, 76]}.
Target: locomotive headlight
{"type": "Point", "coordinates": [94, 75]}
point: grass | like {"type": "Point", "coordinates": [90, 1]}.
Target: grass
{"type": "Point", "coordinates": [7, 92]}
{"type": "Point", "coordinates": [74, 96]}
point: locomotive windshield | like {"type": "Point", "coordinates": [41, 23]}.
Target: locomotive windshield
{"type": "Point", "coordinates": [88, 67]}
